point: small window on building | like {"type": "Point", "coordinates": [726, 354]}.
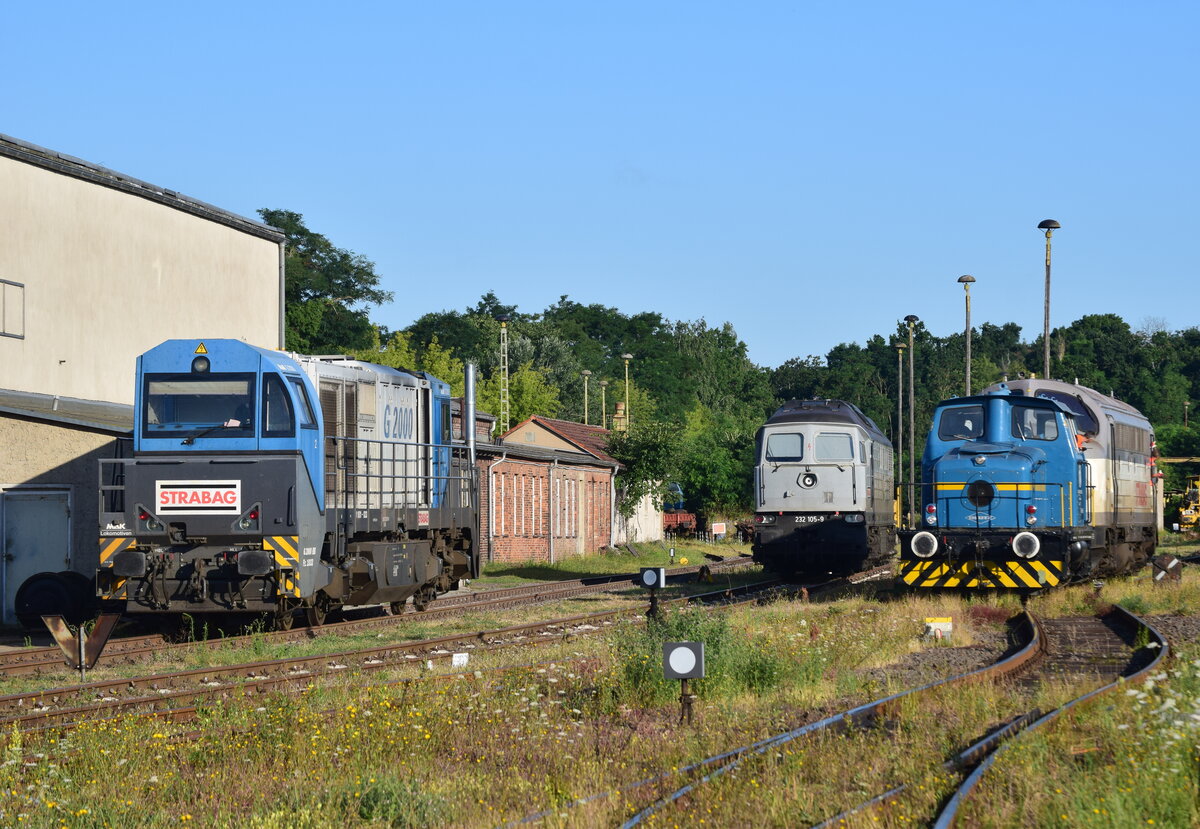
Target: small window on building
{"type": "Point", "coordinates": [12, 309]}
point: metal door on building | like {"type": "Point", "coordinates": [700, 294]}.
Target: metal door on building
{"type": "Point", "coordinates": [36, 534]}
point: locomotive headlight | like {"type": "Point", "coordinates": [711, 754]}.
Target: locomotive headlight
{"type": "Point", "coordinates": [808, 480]}
{"type": "Point", "coordinates": [924, 544]}
{"type": "Point", "coordinates": [854, 518]}
{"type": "Point", "coordinates": [1026, 545]}
{"type": "Point", "coordinates": [201, 365]}
{"type": "Point", "coordinates": [1030, 515]}
{"type": "Point", "coordinates": [931, 515]}
{"type": "Point", "coordinates": [761, 518]}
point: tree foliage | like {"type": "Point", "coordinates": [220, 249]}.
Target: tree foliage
{"type": "Point", "coordinates": [327, 290]}
{"type": "Point", "coordinates": [696, 398]}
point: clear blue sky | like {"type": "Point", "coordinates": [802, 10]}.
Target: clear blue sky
{"type": "Point", "coordinates": [810, 172]}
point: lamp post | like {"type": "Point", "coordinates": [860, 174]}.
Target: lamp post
{"type": "Point", "coordinates": [912, 408]}
{"type": "Point", "coordinates": [900, 419]}
{"type": "Point", "coordinates": [503, 320]}
{"type": "Point", "coordinates": [627, 357]}
{"type": "Point", "coordinates": [966, 279]}
{"type": "Point", "coordinates": [603, 407]}
{"type": "Point", "coordinates": [1048, 225]}
{"type": "Point", "coordinates": [586, 374]}
{"type": "Point", "coordinates": [1186, 403]}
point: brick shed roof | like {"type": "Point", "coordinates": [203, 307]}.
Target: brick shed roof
{"type": "Point", "coordinates": [590, 439]}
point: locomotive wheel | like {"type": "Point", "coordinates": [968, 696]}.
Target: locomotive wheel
{"type": "Point", "coordinates": [315, 613]}
{"type": "Point", "coordinates": [396, 608]}
{"type": "Point", "coordinates": [423, 597]}
{"type": "Point", "coordinates": [285, 616]}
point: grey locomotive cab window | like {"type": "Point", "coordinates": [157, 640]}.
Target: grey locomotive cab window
{"type": "Point", "coordinates": [277, 409]}
{"type": "Point", "coordinates": [961, 423]}
{"type": "Point", "coordinates": [307, 419]}
{"type": "Point", "coordinates": [1029, 423]}
{"type": "Point", "coordinates": [785, 447]}
{"type": "Point", "coordinates": [835, 446]}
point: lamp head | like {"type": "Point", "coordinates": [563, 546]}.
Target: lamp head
{"type": "Point", "coordinates": [911, 318]}
{"type": "Point", "coordinates": [966, 279]}
{"type": "Point", "coordinates": [502, 318]}
{"type": "Point", "coordinates": [1048, 224]}
{"type": "Point", "coordinates": [626, 356]}
{"type": "Point", "coordinates": [586, 373]}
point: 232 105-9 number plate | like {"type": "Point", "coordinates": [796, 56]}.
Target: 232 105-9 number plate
{"type": "Point", "coordinates": [809, 519]}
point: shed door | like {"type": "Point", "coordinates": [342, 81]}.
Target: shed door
{"type": "Point", "coordinates": [37, 532]}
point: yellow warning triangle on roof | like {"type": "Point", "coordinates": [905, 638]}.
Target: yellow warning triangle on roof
{"type": "Point", "coordinates": [200, 349]}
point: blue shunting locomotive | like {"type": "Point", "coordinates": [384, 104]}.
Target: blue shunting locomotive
{"type": "Point", "coordinates": [267, 482]}
{"type": "Point", "coordinates": [1031, 484]}
{"type": "Point", "coordinates": [823, 490]}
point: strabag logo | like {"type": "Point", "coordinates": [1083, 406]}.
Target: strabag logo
{"type": "Point", "coordinates": [198, 497]}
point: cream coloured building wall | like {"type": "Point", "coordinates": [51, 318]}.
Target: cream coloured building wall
{"type": "Point", "coordinates": [646, 523]}
{"type": "Point", "coordinates": [109, 274]}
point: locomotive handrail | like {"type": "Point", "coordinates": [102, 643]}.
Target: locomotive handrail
{"type": "Point", "coordinates": [369, 465]}
{"type": "Point", "coordinates": [1066, 504]}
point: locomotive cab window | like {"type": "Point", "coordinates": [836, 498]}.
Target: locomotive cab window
{"type": "Point", "coordinates": [834, 446]}
{"type": "Point", "coordinates": [1085, 421]}
{"type": "Point", "coordinates": [186, 405]}
{"type": "Point", "coordinates": [307, 419]}
{"type": "Point", "coordinates": [277, 418]}
{"type": "Point", "coordinates": [785, 447]}
{"type": "Point", "coordinates": [1029, 423]}
{"type": "Point", "coordinates": [961, 423]}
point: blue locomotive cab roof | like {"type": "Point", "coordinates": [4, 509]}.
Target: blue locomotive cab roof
{"type": "Point", "coordinates": [221, 395]}
{"type": "Point", "coordinates": [998, 419]}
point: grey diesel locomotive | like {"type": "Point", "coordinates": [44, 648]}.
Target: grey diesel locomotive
{"type": "Point", "coordinates": [823, 490]}
{"type": "Point", "coordinates": [267, 482]}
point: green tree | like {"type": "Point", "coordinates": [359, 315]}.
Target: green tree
{"type": "Point", "coordinates": [327, 290]}
{"type": "Point", "coordinates": [648, 452]}
{"type": "Point", "coordinates": [529, 393]}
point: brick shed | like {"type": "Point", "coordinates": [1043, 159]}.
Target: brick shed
{"type": "Point", "coordinates": [546, 491]}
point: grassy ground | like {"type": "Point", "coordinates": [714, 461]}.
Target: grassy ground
{"type": "Point", "coordinates": [594, 716]}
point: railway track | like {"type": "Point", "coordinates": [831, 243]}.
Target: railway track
{"type": "Point", "coordinates": [1099, 651]}
{"type": "Point", "coordinates": [133, 649]}
{"type": "Point", "coordinates": [163, 694]}
{"type": "Point", "coordinates": [1094, 661]}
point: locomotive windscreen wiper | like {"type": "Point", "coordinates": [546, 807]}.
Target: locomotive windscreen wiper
{"type": "Point", "coordinates": [228, 424]}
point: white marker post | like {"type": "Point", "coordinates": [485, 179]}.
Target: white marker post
{"type": "Point", "coordinates": [684, 661]}
{"type": "Point", "coordinates": [652, 578]}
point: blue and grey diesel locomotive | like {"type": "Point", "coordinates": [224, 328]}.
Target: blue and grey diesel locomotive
{"type": "Point", "coordinates": [268, 482]}
{"type": "Point", "coordinates": [1030, 484]}
{"type": "Point", "coordinates": [823, 486]}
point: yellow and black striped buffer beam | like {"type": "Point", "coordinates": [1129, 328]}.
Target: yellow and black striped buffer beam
{"type": "Point", "coordinates": [109, 547]}
{"type": "Point", "coordinates": [286, 548]}
{"type": "Point", "coordinates": [1012, 574]}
